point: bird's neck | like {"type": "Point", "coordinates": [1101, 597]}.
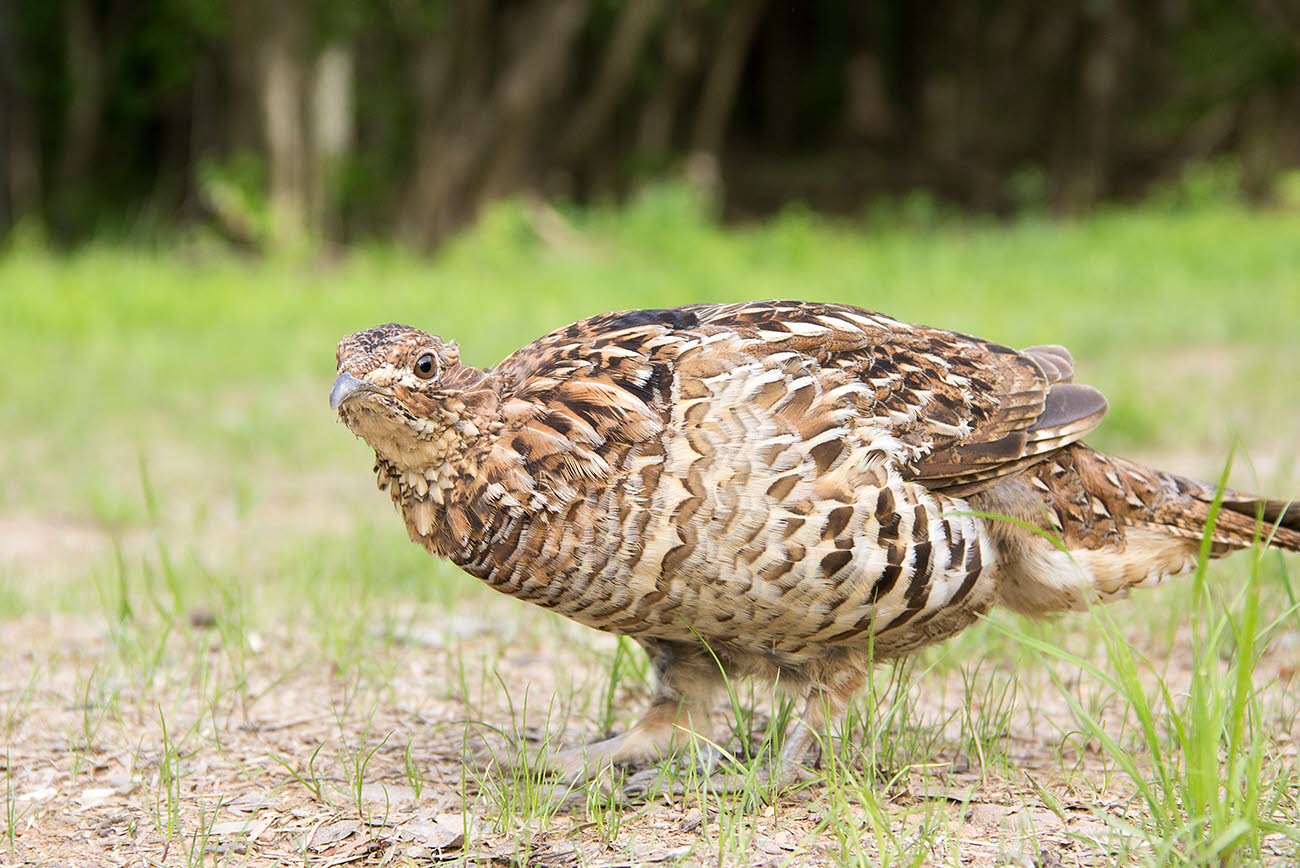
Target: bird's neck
{"type": "Point", "coordinates": [433, 485]}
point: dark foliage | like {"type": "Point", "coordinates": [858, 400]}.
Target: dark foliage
{"type": "Point", "coordinates": [343, 120]}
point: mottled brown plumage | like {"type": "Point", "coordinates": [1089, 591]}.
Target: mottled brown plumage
{"type": "Point", "coordinates": [804, 488]}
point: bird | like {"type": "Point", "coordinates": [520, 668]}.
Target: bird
{"type": "Point", "coordinates": [785, 490]}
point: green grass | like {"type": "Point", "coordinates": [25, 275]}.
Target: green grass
{"type": "Point", "coordinates": [119, 351]}
{"type": "Point", "coordinates": [1202, 765]}
{"type": "Point", "coordinates": [168, 451]}
{"type": "Point", "coordinates": [122, 356]}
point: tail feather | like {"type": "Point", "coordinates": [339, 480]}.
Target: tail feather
{"type": "Point", "coordinates": [1183, 506]}
{"type": "Point", "coordinates": [1116, 525]}
{"type": "Point", "coordinates": [1277, 522]}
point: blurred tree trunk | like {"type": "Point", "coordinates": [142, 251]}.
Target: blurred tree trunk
{"type": "Point", "coordinates": [475, 131]}
{"type": "Point", "coordinates": [332, 132]}
{"type": "Point", "coordinates": [778, 90]}
{"type": "Point", "coordinates": [282, 86]}
{"type": "Point", "coordinates": [868, 115]}
{"type": "Point", "coordinates": [85, 64]}
{"type": "Point", "coordinates": [20, 156]}
{"type": "Point", "coordinates": [909, 28]}
{"type": "Point", "coordinates": [203, 139]}
{"type": "Point", "coordinates": [243, 49]}
{"type": "Point", "coordinates": [619, 62]}
{"type": "Point", "coordinates": [1260, 130]}
{"type": "Point", "coordinates": [449, 74]}
{"type": "Point", "coordinates": [723, 77]}
{"type": "Point", "coordinates": [1282, 14]}
{"type": "Point", "coordinates": [679, 58]}
{"type": "Point", "coordinates": [1083, 168]}
{"type": "Point", "coordinates": [1269, 120]}
{"type": "Point", "coordinates": [543, 47]}
{"type": "Point", "coordinates": [7, 92]}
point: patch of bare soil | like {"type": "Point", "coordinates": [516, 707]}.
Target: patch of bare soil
{"type": "Point", "coordinates": [266, 751]}
{"type": "Point", "coordinates": [38, 544]}
{"type": "Point", "coordinates": [209, 519]}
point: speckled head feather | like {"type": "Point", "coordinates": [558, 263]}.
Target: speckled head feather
{"type": "Point", "coordinates": [386, 354]}
{"type": "Point", "coordinates": [406, 393]}
{"type": "Point", "coordinates": [785, 488]}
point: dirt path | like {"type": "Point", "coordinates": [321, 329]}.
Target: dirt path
{"type": "Point", "coordinates": [279, 754]}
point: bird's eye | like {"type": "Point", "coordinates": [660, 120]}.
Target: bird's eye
{"type": "Point", "coordinates": [425, 366]}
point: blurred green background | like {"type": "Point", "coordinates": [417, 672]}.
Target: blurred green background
{"type": "Point", "coordinates": [198, 198]}
{"type": "Point", "coordinates": [335, 121]}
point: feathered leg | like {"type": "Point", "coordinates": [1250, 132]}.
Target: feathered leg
{"type": "Point", "coordinates": [688, 682]}
{"type": "Point", "coordinates": [824, 703]}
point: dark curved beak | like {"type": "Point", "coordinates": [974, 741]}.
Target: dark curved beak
{"type": "Point", "coordinates": [345, 387]}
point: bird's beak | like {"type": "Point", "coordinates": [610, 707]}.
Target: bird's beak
{"type": "Point", "coordinates": [345, 387]}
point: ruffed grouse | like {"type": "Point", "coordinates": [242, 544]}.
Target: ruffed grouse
{"type": "Point", "coordinates": [782, 489]}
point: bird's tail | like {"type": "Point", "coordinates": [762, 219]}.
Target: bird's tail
{"type": "Point", "coordinates": [1242, 517]}
{"type": "Point", "coordinates": [1182, 512]}
{"type": "Point", "coordinates": [1119, 525]}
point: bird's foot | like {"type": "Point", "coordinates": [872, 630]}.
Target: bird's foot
{"type": "Point", "coordinates": [549, 776]}
{"type": "Point", "coordinates": [716, 771]}
{"type": "Point", "coordinates": [569, 766]}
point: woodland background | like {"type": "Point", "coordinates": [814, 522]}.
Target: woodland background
{"type": "Point", "coordinates": [339, 121]}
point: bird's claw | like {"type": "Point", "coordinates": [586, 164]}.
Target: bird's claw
{"type": "Point", "coordinates": [717, 774]}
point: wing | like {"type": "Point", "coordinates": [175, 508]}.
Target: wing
{"type": "Point", "coordinates": [576, 401]}
{"type": "Point", "coordinates": [968, 410]}
{"type": "Point", "coordinates": [961, 412]}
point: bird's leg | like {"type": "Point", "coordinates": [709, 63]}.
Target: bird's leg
{"type": "Point", "coordinates": [823, 703]}
{"type": "Point", "coordinates": [688, 680]}
{"type": "Point", "coordinates": [821, 706]}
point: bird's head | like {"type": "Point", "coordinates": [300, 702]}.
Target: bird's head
{"type": "Point", "coordinates": [406, 393]}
